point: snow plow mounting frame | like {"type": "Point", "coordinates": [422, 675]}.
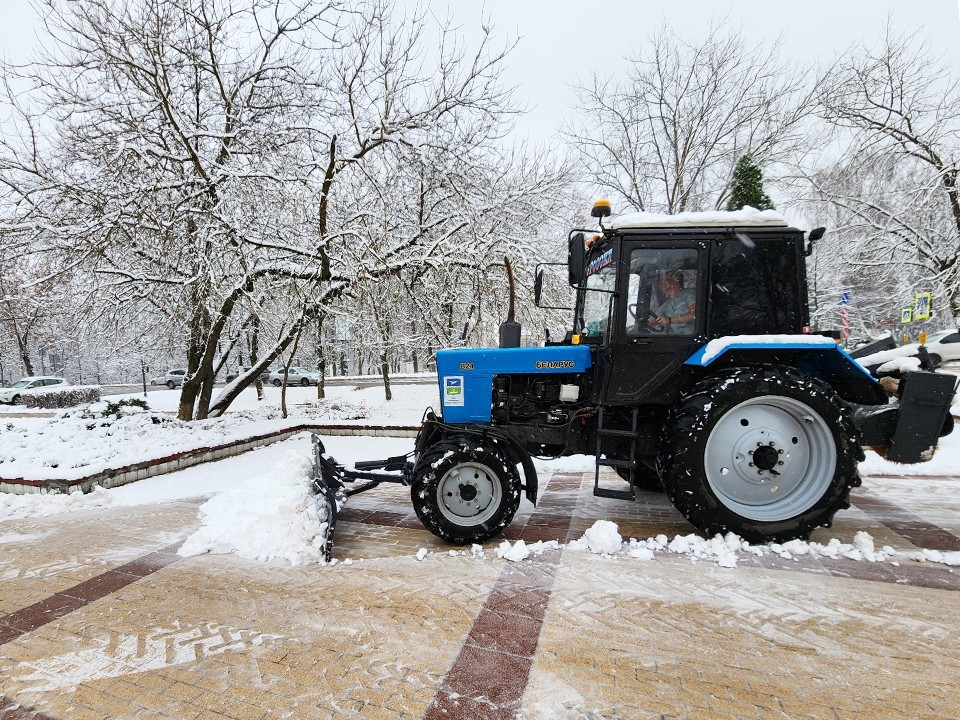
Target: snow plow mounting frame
{"type": "Point", "coordinates": [330, 478]}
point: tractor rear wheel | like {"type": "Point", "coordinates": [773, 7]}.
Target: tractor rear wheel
{"type": "Point", "coordinates": [765, 452]}
{"type": "Point", "coordinates": [644, 478]}
{"type": "Point", "coordinates": [465, 492]}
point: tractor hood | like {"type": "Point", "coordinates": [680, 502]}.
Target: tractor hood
{"type": "Point", "coordinates": [466, 376]}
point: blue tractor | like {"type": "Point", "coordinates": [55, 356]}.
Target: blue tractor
{"type": "Point", "coordinates": [689, 368]}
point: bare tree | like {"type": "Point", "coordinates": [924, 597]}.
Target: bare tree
{"type": "Point", "coordinates": [197, 152]}
{"type": "Point", "coordinates": [666, 137]}
{"type": "Point", "coordinates": [895, 190]}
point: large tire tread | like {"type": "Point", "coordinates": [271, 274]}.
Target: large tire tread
{"type": "Point", "coordinates": [680, 461]}
{"type": "Point", "coordinates": [440, 459]}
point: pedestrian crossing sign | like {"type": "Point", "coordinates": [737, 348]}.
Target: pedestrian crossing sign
{"type": "Point", "coordinates": [906, 316]}
{"type": "Point", "coordinates": [921, 307]}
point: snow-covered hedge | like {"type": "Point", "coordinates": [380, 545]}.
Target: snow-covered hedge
{"type": "Point", "coordinates": [57, 398]}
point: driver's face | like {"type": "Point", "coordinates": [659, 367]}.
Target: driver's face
{"type": "Point", "coordinates": [669, 285]}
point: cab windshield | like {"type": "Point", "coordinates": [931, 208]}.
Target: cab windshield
{"type": "Point", "coordinates": [596, 301]}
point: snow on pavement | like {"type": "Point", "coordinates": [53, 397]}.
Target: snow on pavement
{"type": "Point", "coordinates": [263, 509]}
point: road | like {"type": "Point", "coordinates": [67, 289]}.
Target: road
{"type": "Point", "coordinates": [361, 382]}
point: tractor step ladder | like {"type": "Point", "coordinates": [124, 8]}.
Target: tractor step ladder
{"type": "Point", "coordinates": [630, 464]}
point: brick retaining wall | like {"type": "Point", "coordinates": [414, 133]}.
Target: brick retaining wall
{"type": "Point", "coordinates": [114, 477]}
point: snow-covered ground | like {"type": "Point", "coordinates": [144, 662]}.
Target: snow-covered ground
{"type": "Point", "coordinates": [164, 400]}
{"type": "Point", "coordinates": [261, 508]}
{"type": "Point", "coordinates": [77, 443]}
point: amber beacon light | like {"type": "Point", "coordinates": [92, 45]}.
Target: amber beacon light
{"type": "Point", "coordinates": [601, 208]}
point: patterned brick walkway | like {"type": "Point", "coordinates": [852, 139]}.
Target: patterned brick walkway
{"type": "Point", "coordinates": [100, 619]}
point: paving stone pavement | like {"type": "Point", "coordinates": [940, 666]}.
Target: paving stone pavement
{"type": "Point", "coordinates": [99, 618]}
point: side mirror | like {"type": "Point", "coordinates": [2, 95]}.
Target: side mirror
{"type": "Point", "coordinates": [576, 253]}
{"type": "Point", "coordinates": [538, 287]}
{"type": "Point", "coordinates": [814, 235]}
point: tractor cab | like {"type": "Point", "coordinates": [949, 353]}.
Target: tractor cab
{"type": "Point", "coordinates": [652, 289]}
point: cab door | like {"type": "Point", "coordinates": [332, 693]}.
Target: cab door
{"type": "Point", "coordinates": [647, 349]}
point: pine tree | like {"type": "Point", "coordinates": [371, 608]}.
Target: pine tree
{"type": "Point", "coordinates": [747, 186]}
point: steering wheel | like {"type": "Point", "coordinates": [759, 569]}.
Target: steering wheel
{"type": "Point", "coordinates": [644, 322]}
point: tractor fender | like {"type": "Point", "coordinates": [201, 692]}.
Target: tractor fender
{"type": "Point", "coordinates": [814, 355]}
{"type": "Point", "coordinates": [433, 430]}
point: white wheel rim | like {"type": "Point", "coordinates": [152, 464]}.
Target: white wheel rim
{"type": "Point", "coordinates": [469, 494]}
{"type": "Point", "coordinates": [770, 458]}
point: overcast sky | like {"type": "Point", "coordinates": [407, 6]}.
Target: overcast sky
{"type": "Point", "coordinates": [563, 40]}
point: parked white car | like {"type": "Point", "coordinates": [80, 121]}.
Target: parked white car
{"type": "Point", "coordinates": [945, 345]}
{"type": "Point", "coordinates": [172, 379]}
{"type": "Point", "coordinates": [296, 376]}
{"type": "Point", "coordinates": [14, 393]}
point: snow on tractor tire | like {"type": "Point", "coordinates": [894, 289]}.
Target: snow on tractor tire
{"type": "Point", "coordinates": [761, 451]}
{"type": "Point", "coordinates": [464, 491]}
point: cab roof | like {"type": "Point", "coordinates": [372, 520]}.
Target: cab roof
{"type": "Point", "coordinates": [748, 217]}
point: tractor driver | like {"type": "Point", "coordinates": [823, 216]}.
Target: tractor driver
{"type": "Point", "coordinates": [677, 313]}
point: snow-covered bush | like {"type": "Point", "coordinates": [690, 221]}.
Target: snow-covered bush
{"type": "Point", "coordinates": [62, 397]}
{"type": "Point", "coordinates": [122, 408]}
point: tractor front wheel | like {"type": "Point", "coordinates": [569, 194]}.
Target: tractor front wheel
{"type": "Point", "coordinates": [465, 492]}
{"type": "Point", "coordinates": [765, 452]}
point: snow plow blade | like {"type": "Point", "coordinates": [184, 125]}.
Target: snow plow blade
{"type": "Point", "coordinates": [328, 485]}
{"type": "Point", "coordinates": [329, 478]}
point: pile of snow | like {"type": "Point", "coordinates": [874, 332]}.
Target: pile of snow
{"type": "Point", "coordinates": [16, 507]}
{"type": "Point", "coordinates": [717, 347]}
{"type": "Point", "coordinates": [901, 364]}
{"type": "Point", "coordinates": [725, 550]}
{"type": "Point", "coordinates": [202, 480]}
{"type": "Point", "coordinates": [747, 216]}
{"type": "Point", "coordinates": [521, 551]}
{"type": "Point", "coordinates": [275, 516]}
{"type": "Point", "coordinates": [601, 539]}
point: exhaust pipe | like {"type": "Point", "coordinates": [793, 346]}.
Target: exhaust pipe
{"type": "Point", "coordinates": [510, 329]}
